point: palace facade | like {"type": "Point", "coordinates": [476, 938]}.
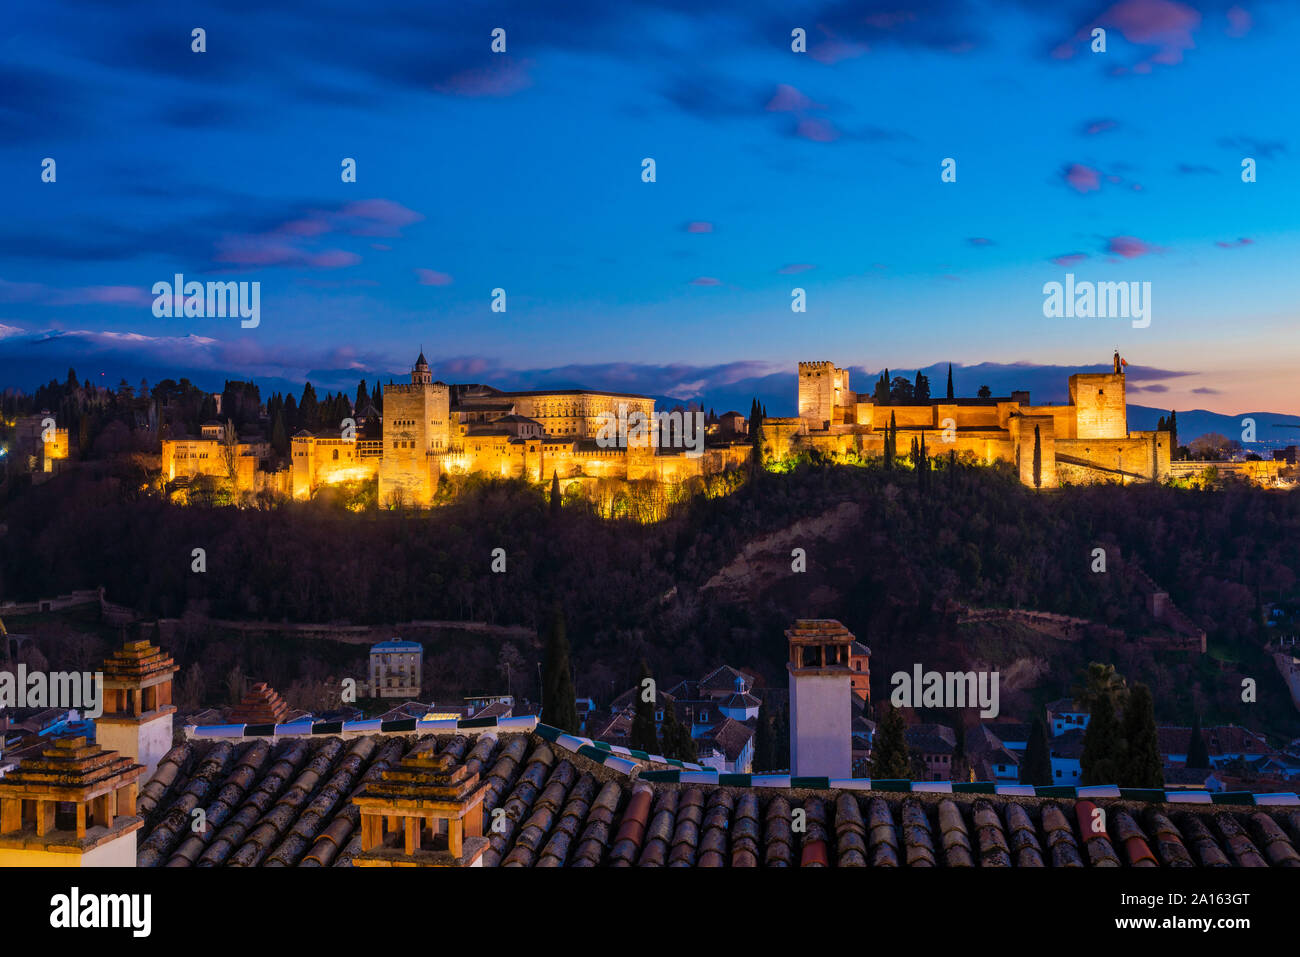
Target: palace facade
{"type": "Point", "coordinates": [1082, 442]}
{"type": "Point", "coordinates": [431, 430]}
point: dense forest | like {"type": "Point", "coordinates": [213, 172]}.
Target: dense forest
{"type": "Point", "coordinates": [910, 546]}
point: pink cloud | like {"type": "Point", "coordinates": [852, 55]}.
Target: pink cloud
{"type": "Point", "coordinates": [1232, 245]}
{"type": "Point", "coordinates": [501, 79]}
{"type": "Point", "coordinates": [1159, 23]}
{"type": "Point", "coordinates": [1166, 25]}
{"type": "Point", "coordinates": [333, 259]}
{"type": "Point", "coordinates": [35, 292]}
{"type": "Point", "coordinates": [833, 49]}
{"type": "Point", "coordinates": [1069, 259]}
{"type": "Point", "coordinates": [1239, 22]}
{"type": "Point", "coordinates": [1099, 126]}
{"type": "Point", "coordinates": [1130, 247]}
{"type": "Point", "coordinates": [431, 277]}
{"type": "Point", "coordinates": [787, 99]}
{"type": "Point", "coordinates": [817, 130]}
{"type": "Point", "coordinates": [706, 281]}
{"type": "Point", "coordinates": [1082, 179]}
{"type": "Point", "coordinates": [980, 241]}
{"type": "Point", "coordinates": [377, 217]}
{"type": "Point", "coordinates": [699, 227]}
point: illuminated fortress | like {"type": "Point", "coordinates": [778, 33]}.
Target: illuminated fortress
{"type": "Point", "coordinates": [431, 430]}
{"type": "Point", "coordinates": [1083, 442]}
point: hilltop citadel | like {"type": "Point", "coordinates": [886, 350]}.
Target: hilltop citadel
{"type": "Point", "coordinates": [429, 431]}
{"type": "Point", "coordinates": [432, 430]}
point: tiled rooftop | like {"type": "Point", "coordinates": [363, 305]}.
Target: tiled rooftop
{"type": "Point", "coordinates": [287, 802]}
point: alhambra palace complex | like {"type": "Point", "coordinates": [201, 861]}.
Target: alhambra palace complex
{"type": "Point", "coordinates": [431, 429]}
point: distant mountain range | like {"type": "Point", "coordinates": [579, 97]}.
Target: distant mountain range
{"type": "Point", "coordinates": [1198, 422]}
{"type": "Point", "coordinates": [720, 387]}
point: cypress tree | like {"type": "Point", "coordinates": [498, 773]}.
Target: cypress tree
{"type": "Point", "coordinates": [555, 492]}
{"type": "Point", "coordinates": [677, 740]}
{"type": "Point", "coordinates": [1172, 425]}
{"type": "Point", "coordinates": [781, 739]}
{"type": "Point", "coordinates": [645, 737]}
{"type": "Point", "coordinates": [1102, 760]}
{"type": "Point", "coordinates": [1036, 768]}
{"type": "Point", "coordinates": [279, 437]}
{"type": "Point", "coordinates": [1198, 755]}
{"type": "Point", "coordinates": [949, 381]}
{"type": "Point", "coordinates": [763, 750]}
{"type": "Point", "coordinates": [560, 707]}
{"type": "Point", "coordinates": [1142, 766]}
{"type": "Point", "coordinates": [889, 750]}
{"type": "Point", "coordinates": [1038, 458]}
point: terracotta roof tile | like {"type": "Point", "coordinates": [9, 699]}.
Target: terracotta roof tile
{"type": "Point", "coordinates": [287, 802]}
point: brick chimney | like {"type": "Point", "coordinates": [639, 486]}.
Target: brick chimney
{"type": "Point", "coordinates": [138, 709]}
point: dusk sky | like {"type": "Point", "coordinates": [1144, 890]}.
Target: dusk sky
{"type": "Point", "coordinates": [775, 170]}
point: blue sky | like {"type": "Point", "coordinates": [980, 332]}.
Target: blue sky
{"type": "Point", "coordinates": [775, 170]}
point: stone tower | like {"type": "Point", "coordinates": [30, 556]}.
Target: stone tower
{"type": "Point", "coordinates": [417, 427]}
{"type": "Point", "coordinates": [1098, 398]}
{"type": "Point", "coordinates": [137, 718]}
{"type": "Point", "coordinates": [821, 705]}
{"type": "Point", "coordinates": [822, 389]}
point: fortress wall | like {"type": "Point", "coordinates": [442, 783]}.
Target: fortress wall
{"type": "Point", "coordinates": [1063, 418]}
{"type": "Point", "coordinates": [1163, 452]}
{"type": "Point", "coordinates": [1099, 404]}
{"type": "Point", "coordinates": [1133, 455]}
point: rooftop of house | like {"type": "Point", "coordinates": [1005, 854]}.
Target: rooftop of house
{"type": "Point", "coordinates": [286, 801]}
{"type": "Point", "coordinates": [1219, 740]}
{"type": "Point", "coordinates": [730, 737]}
{"type": "Point", "coordinates": [931, 739]}
{"type": "Point", "coordinates": [1068, 744]}
{"type": "Point", "coordinates": [1067, 706]}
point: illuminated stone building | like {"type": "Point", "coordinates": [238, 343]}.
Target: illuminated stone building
{"type": "Point", "coordinates": [1082, 442]}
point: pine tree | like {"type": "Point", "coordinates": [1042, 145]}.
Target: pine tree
{"type": "Point", "coordinates": [889, 749]}
{"type": "Point", "coordinates": [1036, 768]}
{"type": "Point", "coordinates": [555, 493]}
{"type": "Point", "coordinates": [985, 392]}
{"type": "Point", "coordinates": [1198, 755]}
{"type": "Point", "coordinates": [559, 707]}
{"type": "Point", "coordinates": [1142, 765]}
{"type": "Point", "coordinates": [645, 736]}
{"type": "Point", "coordinates": [1038, 458]}
{"type": "Point", "coordinates": [1102, 760]}
{"type": "Point", "coordinates": [949, 381]}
